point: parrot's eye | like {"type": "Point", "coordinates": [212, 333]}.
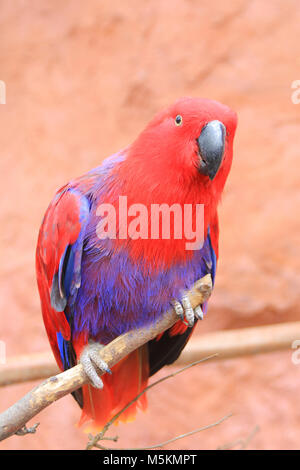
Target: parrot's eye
{"type": "Point", "coordinates": [178, 120]}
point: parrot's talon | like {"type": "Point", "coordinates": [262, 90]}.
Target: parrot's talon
{"type": "Point", "coordinates": [178, 309]}
{"type": "Point", "coordinates": [91, 361]}
{"type": "Point", "coordinates": [186, 312]}
{"type": "Point", "coordinates": [199, 313]}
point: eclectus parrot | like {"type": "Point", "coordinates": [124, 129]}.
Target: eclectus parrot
{"type": "Point", "coordinates": [94, 288]}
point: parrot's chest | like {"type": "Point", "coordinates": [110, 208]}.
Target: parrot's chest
{"type": "Point", "coordinates": [118, 294]}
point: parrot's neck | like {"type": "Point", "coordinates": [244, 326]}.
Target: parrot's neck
{"type": "Point", "coordinates": [159, 223]}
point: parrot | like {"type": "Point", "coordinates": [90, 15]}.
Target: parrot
{"type": "Point", "coordinates": [96, 284]}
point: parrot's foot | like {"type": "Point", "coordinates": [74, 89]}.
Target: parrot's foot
{"type": "Point", "coordinates": [186, 312]}
{"type": "Point", "coordinates": [91, 361]}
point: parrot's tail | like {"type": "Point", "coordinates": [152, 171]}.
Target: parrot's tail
{"type": "Point", "coordinates": [129, 377]}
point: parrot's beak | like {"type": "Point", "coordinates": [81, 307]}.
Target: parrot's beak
{"type": "Point", "coordinates": [211, 144]}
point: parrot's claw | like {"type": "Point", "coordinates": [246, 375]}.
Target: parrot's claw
{"type": "Point", "coordinates": [186, 312]}
{"type": "Point", "coordinates": [91, 361]}
{"type": "Point", "coordinates": [199, 313]}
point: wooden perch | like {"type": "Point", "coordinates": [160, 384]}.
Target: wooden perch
{"type": "Point", "coordinates": [241, 342]}
{"type": "Point", "coordinates": [26, 367]}
{"type": "Point", "coordinates": [226, 343]}
{"type": "Point", "coordinates": [15, 417]}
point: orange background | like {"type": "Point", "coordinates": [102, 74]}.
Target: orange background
{"type": "Point", "coordinates": [83, 78]}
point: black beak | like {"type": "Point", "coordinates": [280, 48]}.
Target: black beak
{"type": "Point", "coordinates": [211, 143]}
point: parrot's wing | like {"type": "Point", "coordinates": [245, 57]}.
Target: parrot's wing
{"type": "Point", "coordinates": [58, 264]}
{"type": "Point", "coordinates": [166, 348]}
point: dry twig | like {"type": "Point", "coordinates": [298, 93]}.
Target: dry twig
{"type": "Point", "coordinates": [242, 443]}
{"type": "Point", "coordinates": [25, 430]}
{"type": "Point", "coordinates": [169, 441]}
{"type": "Point", "coordinates": [93, 442]}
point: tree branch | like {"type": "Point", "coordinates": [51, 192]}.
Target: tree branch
{"type": "Point", "coordinates": [227, 343]}
{"type": "Point", "coordinates": [54, 388]}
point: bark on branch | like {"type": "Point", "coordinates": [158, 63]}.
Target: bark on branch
{"type": "Point", "coordinates": [227, 343]}
{"type": "Point", "coordinates": [54, 388]}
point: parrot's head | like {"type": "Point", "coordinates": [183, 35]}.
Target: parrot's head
{"type": "Point", "coordinates": [181, 159]}
{"type": "Point", "coordinates": [189, 143]}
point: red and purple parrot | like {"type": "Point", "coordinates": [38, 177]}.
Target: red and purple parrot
{"type": "Point", "coordinates": [95, 288]}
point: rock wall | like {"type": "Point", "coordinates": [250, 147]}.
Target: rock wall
{"type": "Point", "coordinates": [82, 80]}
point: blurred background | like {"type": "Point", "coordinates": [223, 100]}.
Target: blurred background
{"type": "Point", "coordinates": [83, 78]}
